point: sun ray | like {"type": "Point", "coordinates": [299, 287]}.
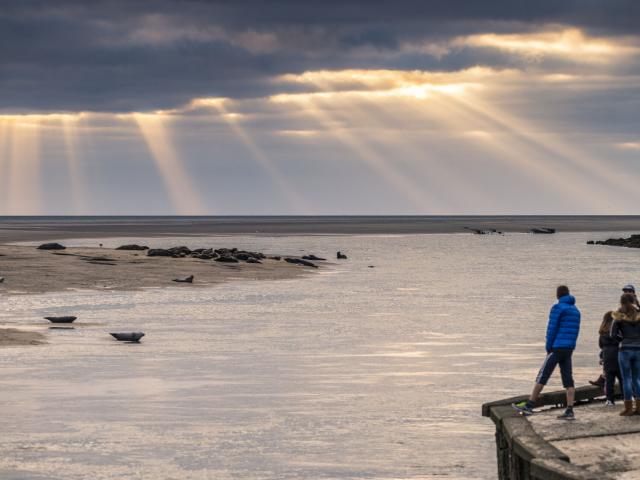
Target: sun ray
{"type": "Point", "coordinates": [294, 199]}
{"type": "Point", "coordinates": [577, 163]}
{"type": "Point", "coordinates": [514, 155]}
{"type": "Point", "coordinates": [24, 192]}
{"type": "Point", "coordinates": [4, 162]}
{"type": "Point", "coordinates": [368, 156]}
{"type": "Point", "coordinates": [185, 197]}
{"type": "Point", "coordinates": [70, 135]}
{"type": "Point", "coordinates": [393, 118]}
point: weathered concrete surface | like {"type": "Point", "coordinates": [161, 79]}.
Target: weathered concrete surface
{"type": "Point", "coordinates": [542, 447]}
{"type": "Point", "coordinates": [599, 440]}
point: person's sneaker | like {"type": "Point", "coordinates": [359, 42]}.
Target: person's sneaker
{"type": "Point", "coordinates": [610, 403]}
{"type": "Point", "coordinates": [567, 415]}
{"type": "Point", "coordinates": [523, 408]}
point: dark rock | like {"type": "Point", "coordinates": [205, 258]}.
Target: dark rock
{"type": "Point", "coordinates": [132, 247]}
{"type": "Point", "coordinates": [1, 279]}
{"type": "Point", "coordinates": [253, 260]}
{"type": "Point", "coordinates": [543, 230]}
{"type": "Point", "coordinates": [159, 252]}
{"type": "Point", "coordinates": [51, 246]}
{"type": "Point", "coordinates": [591, 242]}
{"type": "Point", "coordinates": [371, 266]}
{"type": "Point", "coordinates": [276, 258]}
{"type": "Point", "coordinates": [188, 279]}
{"type": "Point", "coordinates": [489, 231]}
{"type": "Point", "coordinates": [313, 257]}
{"type": "Point", "coordinates": [226, 259]}
{"type": "Point", "coordinates": [299, 261]}
{"type": "Point", "coordinates": [341, 256]}
{"type": "Point", "coordinates": [632, 242]}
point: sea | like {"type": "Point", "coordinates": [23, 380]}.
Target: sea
{"type": "Point", "coordinates": [374, 367]}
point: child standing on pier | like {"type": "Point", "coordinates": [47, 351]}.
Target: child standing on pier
{"type": "Point", "coordinates": [609, 352]}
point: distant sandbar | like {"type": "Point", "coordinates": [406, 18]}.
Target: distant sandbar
{"type": "Point", "coordinates": [17, 229]}
{"type": "Point", "coordinates": [29, 270]}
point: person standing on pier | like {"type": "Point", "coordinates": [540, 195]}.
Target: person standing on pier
{"type": "Point", "coordinates": [562, 334]}
{"type": "Point", "coordinates": [626, 327]}
{"type": "Point", "coordinates": [609, 347]}
{"type": "Point", "coordinates": [600, 381]}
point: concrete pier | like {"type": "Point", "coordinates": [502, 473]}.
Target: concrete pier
{"type": "Point", "coordinates": [599, 444]}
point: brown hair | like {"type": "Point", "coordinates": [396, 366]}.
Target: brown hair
{"type": "Point", "coordinates": [627, 301]}
{"type": "Point", "coordinates": [605, 326]}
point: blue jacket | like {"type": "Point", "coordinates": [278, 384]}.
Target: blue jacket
{"type": "Point", "coordinates": [564, 324]}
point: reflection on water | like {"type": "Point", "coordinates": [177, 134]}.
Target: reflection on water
{"type": "Point", "coordinates": [351, 373]}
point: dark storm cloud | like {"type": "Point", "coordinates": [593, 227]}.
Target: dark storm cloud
{"type": "Point", "coordinates": [138, 55]}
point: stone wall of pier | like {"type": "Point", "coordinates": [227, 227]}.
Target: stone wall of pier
{"type": "Point", "coordinates": [525, 455]}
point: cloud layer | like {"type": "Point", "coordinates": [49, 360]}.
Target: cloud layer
{"type": "Point", "coordinates": [119, 55]}
{"type": "Point", "coordinates": [252, 107]}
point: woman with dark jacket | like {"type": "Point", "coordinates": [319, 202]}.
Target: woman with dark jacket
{"type": "Point", "coordinates": [609, 352]}
{"type": "Point", "coordinates": [626, 327]}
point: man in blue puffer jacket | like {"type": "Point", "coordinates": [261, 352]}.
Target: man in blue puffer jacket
{"type": "Point", "coordinates": [562, 333]}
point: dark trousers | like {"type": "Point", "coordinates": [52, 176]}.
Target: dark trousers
{"type": "Point", "coordinates": [611, 372]}
{"type": "Point", "coordinates": [561, 357]}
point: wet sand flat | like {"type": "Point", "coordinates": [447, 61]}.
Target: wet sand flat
{"type": "Point", "coordinates": [28, 270]}
{"type": "Point", "coordinates": [14, 337]}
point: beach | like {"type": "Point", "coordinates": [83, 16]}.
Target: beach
{"type": "Point", "coordinates": [28, 270]}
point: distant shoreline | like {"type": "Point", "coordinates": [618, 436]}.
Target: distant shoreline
{"type": "Point", "coordinates": [19, 229]}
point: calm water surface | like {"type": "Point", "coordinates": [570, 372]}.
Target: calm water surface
{"type": "Point", "coordinates": [353, 372]}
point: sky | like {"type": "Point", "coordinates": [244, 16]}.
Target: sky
{"type": "Point", "coordinates": [195, 107]}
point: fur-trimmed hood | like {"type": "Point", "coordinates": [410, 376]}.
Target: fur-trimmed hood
{"type": "Point", "coordinates": [624, 317]}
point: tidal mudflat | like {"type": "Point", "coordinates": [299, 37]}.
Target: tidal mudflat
{"type": "Point", "coordinates": [29, 270]}
{"type": "Point", "coordinates": [348, 372]}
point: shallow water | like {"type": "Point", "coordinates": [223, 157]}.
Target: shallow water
{"type": "Point", "coordinates": [353, 372]}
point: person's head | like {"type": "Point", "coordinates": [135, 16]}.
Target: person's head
{"type": "Point", "coordinates": [629, 289]}
{"type": "Point", "coordinates": [605, 326]}
{"type": "Point", "coordinates": [562, 291]}
{"type": "Point", "coordinates": [627, 301]}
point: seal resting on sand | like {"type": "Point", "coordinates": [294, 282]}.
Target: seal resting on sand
{"type": "Point", "coordinates": [51, 246]}
{"type": "Point", "coordinates": [128, 336]}
{"type": "Point", "coordinates": [188, 279]}
{"type": "Point", "coordinates": [67, 319]}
